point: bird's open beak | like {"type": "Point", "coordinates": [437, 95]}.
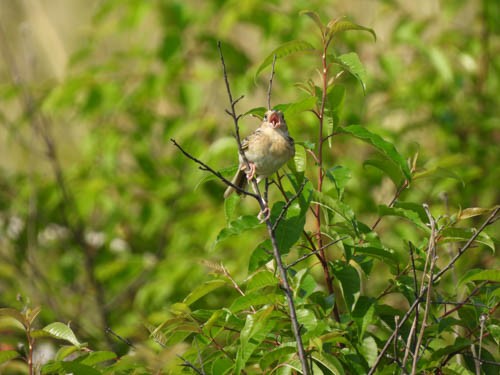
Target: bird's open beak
{"type": "Point", "coordinates": [275, 120]}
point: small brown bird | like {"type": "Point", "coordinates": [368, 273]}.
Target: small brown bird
{"type": "Point", "coordinates": [267, 149]}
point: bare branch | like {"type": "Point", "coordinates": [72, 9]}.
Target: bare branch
{"type": "Point", "coordinates": [206, 167]}
{"type": "Point", "coordinates": [288, 204]}
{"type": "Point", "coordinates": [271, 84]}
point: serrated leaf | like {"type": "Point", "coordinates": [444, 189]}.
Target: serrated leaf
{"type": "Point", "coordinates": [203, 290]}
{"type": "Point", "coordinates": [380, 144]}
{"type": "Point", "coordinates": [480, 275]}
{"type": "Point", "coordinates": [284, 50]}
{"type": "Point", "coordinates": [7, 355]}
{"type": "Point", "coordinates": [315, 17]}
{"type": "Point", "coordinates": [341, 25]}
{"type": "Point", "coordinates": [464, 234]}
{"type": "Point", "coordinates": [258, 112]}
{"type": "Point", "coordinates": [300, 159]}
{"type": "Point", "coordinates": [352, 64]}
{"type": "Point", "coordinates": [291, 110]}
{"type": "Point", "coordinates": [62, 332]}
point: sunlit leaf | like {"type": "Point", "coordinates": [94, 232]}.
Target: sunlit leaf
{"type": "Point", "coordinates": [380, 144]}
{"type": "Point", "coordinates": [340, 176]}
{"type": "Point", "coordinates": [280, 355]}
{"type": "Point", "coordinates": [351, 63]}
{"type": "Point", "coordinates": [94, 358]}
{"type": "Point", "coordinates": [300, 159]}
{"type": "Point", "coordinates": [63, 332]}
{"type": "Point", "coordinates": [341, 25]}
{"type": "Point", "coordinates": [369, 350]}
{"type": "Point", "coordinates": [284, 50]}
{"type": "Point", "coordinates": [261, 280]}
{"type": "Point", "coordinates": [254, 299]}
{"type": "Point", "coordinates": [260, 256]}
{"type": "Point", "coordinates": [391, 169]}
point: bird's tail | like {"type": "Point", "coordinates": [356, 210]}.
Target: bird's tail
{"type": "Point", "coordinates": [240, 180]}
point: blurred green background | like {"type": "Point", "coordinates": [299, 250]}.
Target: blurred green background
{"type": "Point", "coordinates": [92, 92]}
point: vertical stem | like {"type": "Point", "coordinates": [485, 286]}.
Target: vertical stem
{"type": "Point", "coordinates": [317, 211]}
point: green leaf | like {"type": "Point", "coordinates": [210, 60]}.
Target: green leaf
{"type": "Point", "coordinates": [254, 299]}
{"type": "Point", "coordinates": [13, 313]}
{"type": "Point", "coordinates": [480, 275]}
{"type": "Point", "coordinates": [203, 290]}
{"type": "Point", "coordinates": [230, 204]}
{"type": "Point", "coordinates": [260, 256]}
{"type": "Point", "coordinates": [289, 229]}
{"type": "Point", "coordinates": [62, 332]}
{"type": "Point", "coordinates": [258, 112]}
{"type": "Point", "coordinates": [74, 367]}
{"type": "Point", "coordinates": [380, 144]}
{"type": "Point", "coordinates": [65, 351]}
{"type": "Point", "coordinates": [284, 50]}
{"type": "Point", "coordinates": [412, 215]}
{"type": "Point", "coordinates": [340, 176]}
{"type": "Point", "coordinates": [330, 362]}
{"type": "Point", "coordinates": [474, 211]}
{"type": "Point", "coordinates": [350, 282]}
{"type": "Point", "coordinates": [261, 280]}
{"type": "Point", "coordinates": [7, 355]}
{"type": "Point", "coordinates": [369, 350]}
{"type": "Point", "coordinates": [315, 17]}
{"type": "Point", "coordinates": [341, 25]}
{"type": "Point", "coordinates": [257, 327]}
{"type": "Point", "coordinates": [352, 64]}
{"type": "Point", "coordinates": [279, 355]}
{"type": "Point", "coordinates": [459, 344]}
{"type": "Point", "coordinates": [388, 167]}
{"type": "Point", "coordinates": [238, 226]}
{"type": "Point", "coordinates": [291, 110]}
{"type": "Point", "coordinates": [363, 314]}
{"type": "Point", "coordinates": [464, 234]}
{"type": "Point", "coordinates": [94, 358]}
{"type": "Point", "coordinates": [300, 159]}
{"type": "Point", "coordinates": [222, 366]}
{"type": "Point", "coordinates": [333, 106]}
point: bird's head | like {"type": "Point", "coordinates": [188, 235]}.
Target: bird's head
{"type": "Point", "coordinates": [275, 119]}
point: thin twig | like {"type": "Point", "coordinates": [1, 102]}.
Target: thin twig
{"type": "Point", "coordinates": [188, 364]}
{"type": "Point", "coordinates": [315, 252]}
{"type": "Point", "coordinates": [462, 250]}
{"type": "Point", "coordinates": [206, 167]}
{"type": "Point", "coordinates": [270, 84]}
{"type": "Point", "coordinates": [288, 204]}
{"type": "Point", "coordinates": [122, 339]}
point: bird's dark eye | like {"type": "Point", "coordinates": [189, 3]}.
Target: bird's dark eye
{"type": "Point", "coordinates": [265, 117]}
